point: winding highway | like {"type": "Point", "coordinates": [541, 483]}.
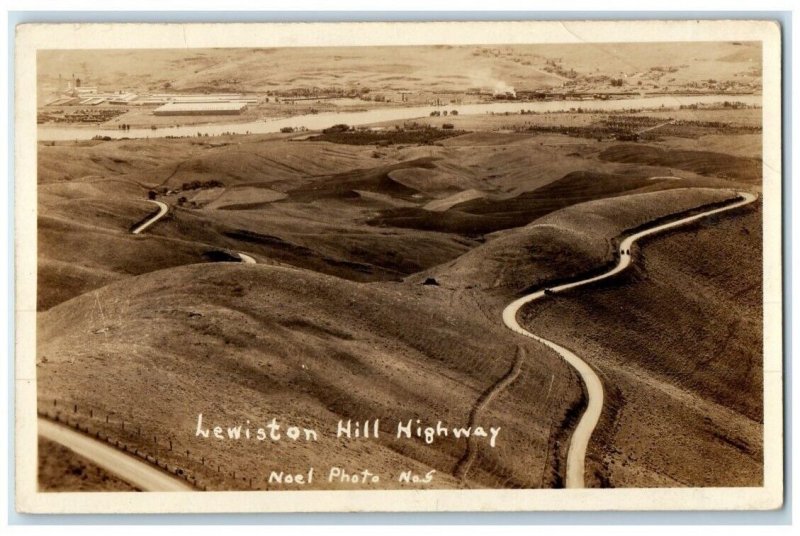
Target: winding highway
{"type": "Point", "coordinates": [119, 463]}
{"type": "Point", "coordinates": [576, 454]}
{"type": "Point", "coordinates": [163, 208]}
{"type": "Point", "coordinates": [129, 468]}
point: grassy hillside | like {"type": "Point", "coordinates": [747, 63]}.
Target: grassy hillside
{"type": "Point", "coordinates": [86, 213]}
{"type": "Point", "coordinates": [273, 341]}
{"type": "Point", "coordinates": [307, 204]}
{"type": "Point", "coordinates": [345, 319]}
{"type": "Point", "coordinates": [486, 215]}
{"type": "Point", "coordinates": [702, 162]}
{"type": "Point", "coordinates": [677, 341]}
{"type": "Point", "coordinates": [229, 159]}
{"type": "Point", "coordinates": [239, 342]}
{"type": "Point", "coordinates": [562, 244]}
{"type": "Point", "coordinates": [378, 180]}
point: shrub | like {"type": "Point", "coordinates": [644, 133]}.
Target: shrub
{"type": "Point", "coordinates": [341, 127]}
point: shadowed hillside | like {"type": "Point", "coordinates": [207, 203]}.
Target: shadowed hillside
{"type": "Point", "coordinates": [702, 162]}
{"type": "Point", "coordinates": [564, 244]}
{"type": "Point", "coordinates": [678, 342]}
{"type": "Point", "coordinates": [486, 215]}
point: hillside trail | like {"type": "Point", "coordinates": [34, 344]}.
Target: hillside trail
{"type": "Point", "coordinates": [464, 464]}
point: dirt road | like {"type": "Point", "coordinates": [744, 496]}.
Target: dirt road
{"type": "Point", "coordinates": [133, 470]}
{"type": "Point", "coordinates": [576, 455]}
{"type": "Point", "coordinates": [247, 259]}
{"type": "Point", "coordinates": [464, 464]}
{"type": "Point", "coordinates": [163, 209]}
{"type": "Point", "coordinates": [648, 129]}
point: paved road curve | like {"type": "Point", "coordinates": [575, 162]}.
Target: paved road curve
{"type": "Point", "coordinates": [576, 455]}
{"type": "Point", "coordinates": [247, 259]}
{"type": "Point", "coordinates": [163, 208]}
{"type": "Point", "coordinates": [133, 470]}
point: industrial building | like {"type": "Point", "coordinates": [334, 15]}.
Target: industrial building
{"type": "Point", "coordinates": [92, 101]}
{"type": "Point", "coordinates": [166, 98]}
{"type": "Point", "coordinates": [63, 101]}
{"type": "Point", "coordinates": [169, 103]}
{"type": "Point", "coordinates": [122, 98]}
{"type": "Point", "coordinates": [201, 108]}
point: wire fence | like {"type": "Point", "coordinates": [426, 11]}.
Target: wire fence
{"type": "Point", "coordinates": [161, 451]}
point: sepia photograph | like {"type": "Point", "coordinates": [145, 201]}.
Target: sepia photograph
{"type": "Point", "coordinates": [400, 272]}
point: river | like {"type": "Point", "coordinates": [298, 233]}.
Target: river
{"type": "Point", "coordinates": [323, 120]}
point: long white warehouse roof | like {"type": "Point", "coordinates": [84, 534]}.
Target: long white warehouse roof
{"type": "Point", "coordinates": [201, 106]}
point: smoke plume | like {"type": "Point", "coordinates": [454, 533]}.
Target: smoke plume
{"type": "Point", "coordinates": [486, 82]}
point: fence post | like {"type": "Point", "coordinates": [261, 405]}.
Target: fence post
{"type": "Point", "coordinates": [75, 408]}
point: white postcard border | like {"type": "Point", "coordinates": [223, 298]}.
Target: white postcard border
{"type": "Point", "coordinates": [33, 37]}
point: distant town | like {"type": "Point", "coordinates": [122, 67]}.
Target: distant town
{"type": "Point", "coordinates": [75, 102]}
